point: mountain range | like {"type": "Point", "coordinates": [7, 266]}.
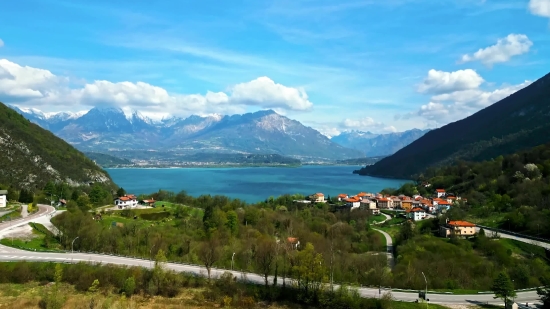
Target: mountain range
{"type": "Point", "coordinates": [374, 145]}
{"type": "Point", "coordinates": [517, 122]}
{"type": "Point", "coordinates": [31, 156]}
{"type": "Point", "coordinates": [108, 130]}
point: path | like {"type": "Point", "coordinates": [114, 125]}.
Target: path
{"type": "Point", "coordinates": [5, 212]}
{"type": "Point", "coordinates": [389, 248]}
{"type": "Point", "coordinates": [24, 211]}
{"type": "Point", "coordinates": [12, 254]}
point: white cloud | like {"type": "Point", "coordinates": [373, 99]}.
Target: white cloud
{"type": "Point", "coordinates": [502, 51]}
{"type": "Point", "coordinates": [1, 43]}
{"type": "Point", "coordinates": [540, 7]}
{"type": "Point", "coordinates": [266, 93]}
{"type": "Point", "coordinates": [459, 102]}
{"type": "Point", "coordinates": [443, 82]}
{"type": "Point", "coordinates": [362, 124]}
{"type": "Point", "coordinates": [38, 87]}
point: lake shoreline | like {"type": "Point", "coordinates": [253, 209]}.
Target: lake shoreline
{"type": "Point", "coordinates": [226, 166]}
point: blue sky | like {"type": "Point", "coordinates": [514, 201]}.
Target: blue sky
{"type": "Point", "coordinates": [381, 66]}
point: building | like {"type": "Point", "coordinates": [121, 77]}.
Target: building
{"type": "Point", "coordinates": [317, 198]}
{"type": "Point", "coordinates": [383, 203]}
{"type": "Point", "coordinates": [294, 242]}
{"type": "Point", "coordinates": [458, 228]}
{"type": "Point", "coordinates": [416, 214]}
{"type": "Point", "coordinates": [126, 201]}
{"type": "Point", "coordinates": [150, 202]}
{"type": "Point", "coordinates": [369, 205]}
{"type": "Point", "coordinates": [443, 205]}
{"type": "Point", "coordinates": [440, 192]}
{"type": "Point", "coordinates": [62, 203]}
{"type": "Point", "coordinates": [353, 202]}
{"type": "Point", "coordinates": [3, 198]}
{"type": "Point", "coordinates": [396, 202]}
{"type": "Point", "coordinates": [342, 196]}
{"type": "Point", "coordinates": [406, 203]}
{"type": "Point", "coordinates": [361, 195]}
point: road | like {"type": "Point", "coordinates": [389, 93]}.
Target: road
{"type": "Point", "coordinates": [389, 247]}
{"type": "Point", "coordinates": [12, 254]}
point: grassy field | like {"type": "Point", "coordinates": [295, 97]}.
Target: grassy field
{"type": "Point", "coordinates": [375, 219]}
{"type": "Point", "coordinates": [19, 296]}
{"type": "Point", "coordinates": [392, 230]}
{"type": "Point", "coordinates": [15, 214]}
{"type": "Point", "coordinates": [36, 241]}
{"type": "Point", "coordinates": [524, 249]}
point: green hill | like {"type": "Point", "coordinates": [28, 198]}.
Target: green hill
{"type": "Point", "coordinates": [515, 123]}
{"type": "Point", "coordinates": [32, 156]}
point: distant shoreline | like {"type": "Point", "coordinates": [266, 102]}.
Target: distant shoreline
{"type": "Point", "coordinates": [229, 166]}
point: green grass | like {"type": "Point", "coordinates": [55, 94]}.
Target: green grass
{"type": "Point", "coordinates": [16, 214]}
{"type": "Point", "coordinates": [457, 291]}
{"type": "Point", "coordinates": [376, 219]}
{"type": "Point", "coordinates": [36, 243]}
{"type": "Point", "coordinates": [524, 249]}
{"type": "Point", "coordinates": [394, 221]}
{"type": "Point", "coordinates": [392, 230]}
{"type": "Point", "coordinates": [411, 305]}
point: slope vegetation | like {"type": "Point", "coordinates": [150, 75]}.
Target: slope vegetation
{"type": "Point", "coordinates": [32, 156]}
{"type": "Point", "coordinates": [518, 122]}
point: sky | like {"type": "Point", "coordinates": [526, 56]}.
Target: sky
{"type": "Point", "coordinates": [369, 65]}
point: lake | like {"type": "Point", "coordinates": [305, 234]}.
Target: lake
{"type": "Point", "coordinates": [250, 184]}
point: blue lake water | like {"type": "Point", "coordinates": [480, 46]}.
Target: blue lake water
{"type": "Point", "coordinates": [251, 184]}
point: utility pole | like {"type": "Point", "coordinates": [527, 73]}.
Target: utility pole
{"type": "Point", "coordinates": [232, 259]}
{"type": "Point", "coordinates": [426, 291]}
{"type": "Point", "coordinates": [72, 243]}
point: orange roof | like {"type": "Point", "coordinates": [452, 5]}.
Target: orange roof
{"type": "Point", "coordinates": [440, 190]}
{"type": "Point", "coordinates": [343, 195]}
{"type": "Point", "coordinates": [292, 240]}
{"type": "Point", "coordinates": [418, 198]}
{"type": "Point", "coordinates": [461, 223]}
{"type": "Point", "coordinates": [352, 199]}
{"type": "Point", "coordinates": [382, 199]}
{"type": "Point", "coordinates": [452, 197]}
{"type": "Point", "coordinates": [443, 203]}
{"type": "Point", "coordinates": [417, 210]}
{"type": "Point", "coordinates": [319, 194]}
{"type": "Point", "coordinates": [124, 198]}
{"type": "Point", "coordinates": [360, 194]}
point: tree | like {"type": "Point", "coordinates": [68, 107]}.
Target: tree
{"type": "Point", "coordinates": [207, 219]}
{"type": "Point", "coordinates": [159, 273]}
{"type": "Point", "coordinates": [503, 287]}
{"type": "Point", "coordinates": [266, 251]}
{"type": "Point", "coordinates": [83, 202]}
{"type": "Point", "coordinates": [232, 222]}
{"type": "Point", "coordinates": [544, 293]}
{"type": "Point", "coordinates": [129, 286]}
{"type": "Point", "coordinates": [75, 195]}
{"type": "Point", "coordinates": [26, 196]}
{"type": "Point", "coordinates": [98, 194]}
{"type": "Point", "coordinates": [120, 192]}
{"type": "Point", "coordinates": [54, 299]}
{"type": "Point", "coordinates": [209, 253]}
{"type": "Point", "coordinates": [309, 271]}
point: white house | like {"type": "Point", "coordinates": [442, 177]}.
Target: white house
{"type": "Point", "coordinates": [370, 205]}
{"type": "Point", "coordinates": [440, 192]}
{"type": "Point", "coordinates": [317, 198]}
{"type": "Point", "coordinates": [3, 198]}
{"type": "Point", "coordinates": [416, 214]}
{"type": "Point", "coordinates": [353, 202]}
{"type": "Point", "coordinates": [126, 201]}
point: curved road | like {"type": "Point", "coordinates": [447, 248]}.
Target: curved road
{"type": "Point", "coordinates": [12, 254]}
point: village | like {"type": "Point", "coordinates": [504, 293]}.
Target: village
{"type": "Point", "coordinates": [414, 208]}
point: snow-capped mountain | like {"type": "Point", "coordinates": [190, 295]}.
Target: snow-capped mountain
{"type": "Point", "coordinates": [373, 145]}
{"type": "Point", "coordinates": [263, 132]}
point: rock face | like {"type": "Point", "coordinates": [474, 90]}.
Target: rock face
{"type": "Point", "coordinates": [374, 145]}
{"type": "Point", "coordinates": [31, 156]}
{"type": "Point", "coordinates": [263, 132]}
{"type": "Point", "coordinates": [518, 122]}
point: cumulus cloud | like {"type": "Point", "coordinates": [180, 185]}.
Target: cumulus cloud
{"type": "Point", "coordinates": [443, 82]}
{"type": "Point", "coordinates": [540, 7]}
{"type": "Point", "coordinates": [452, 105]}
{"type": "Point", "coordinates": [38, 87]}
{"type": "Point", "coordinates": [502, 51]}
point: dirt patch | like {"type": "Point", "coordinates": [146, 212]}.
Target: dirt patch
{"type": "Point", "coordinates": [20, 232]}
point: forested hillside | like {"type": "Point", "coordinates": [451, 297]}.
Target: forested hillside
{"type": "Point", "coordinates": [515, 123]}
{"type": "Point", "coordinates": [512, 191]}
{"type": "Point", "coordinates": [32, 156]}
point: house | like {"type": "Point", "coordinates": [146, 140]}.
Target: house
{"type": "Point", "coordinates": [416, 214]}
{"type": "Point", "coordinates": [383, 203]}
{"type": "Point", "coordinates": [428, 205]}
{"type": "Point", "coordinates": [294, 242]}
{"type": "Point", "coordinates": [126, 201]}
{"type": "Point", "coordinates": [396, 202]}
{"type": "Point", "coordinates": [149, 202]}
{"type": "Point", "coordinates": [443, 205]}
{"type": "Point", "coordinates": [440, 193]}
{"type": "Point", "coordinates": [406, 203]}
{"type": "Point", "coordinates": [3, 198]}
{"type": "Point", "coordinates": [370, 205]}
{"type": "Point", "coordinates": [352, 202]}
{"type": "Point", "coordinates": [361, 195]}
{"type": "Point", "coordinates": [458, 228]}
{"type": "Point", "coordinates": [317, 198]}
{"type": "Point", "coordinates": [61, 203]}
{"type": "Point", "coordinates": [342, 196]}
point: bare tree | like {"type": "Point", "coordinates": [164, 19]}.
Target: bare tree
{"type": "Point", "coordinates": [209, 253]}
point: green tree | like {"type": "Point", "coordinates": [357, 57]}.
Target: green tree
{"type": "Point", "coordinates": [232, 222]}
{"type": "Point", "coordinates": [26, 196]}
{"type": "Point", "coordinates": [75, 195]}
{"type": "Point", "coordinates": [53, 299]}
{"type": "Point", "coordinates": [121, 192]}
{"type": "Point", "coordinates": [98, 194]}
{"type": "Point", "coordinates": [83, 202]}
{"type": "Point", "coordinates": [266, 252]}
{"type": "Point", "coordinates": [503, 287]}
{"type": "Point", "coordinates": [159, 273]}
{"type": "Point", "coordinates": [207, 219]}
{"type": "Point", "coordinates": [309, 271]}
{"type": "Point", "coordinates": [129, 286]}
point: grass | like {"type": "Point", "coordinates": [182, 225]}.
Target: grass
{"type": "Point", "coordinates": [16, 214]}
{"type": "Point", "coordinates": [29, 295]}
{"type": "Point", "coordinates": [377, 218]}
{"type": "Point", "coordinates": [392, 230]}
{"type": "Point", "coordinates": [525, 250]}
{"type": "Point", "coordinates": [36, 242]}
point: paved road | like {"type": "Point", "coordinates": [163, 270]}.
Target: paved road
{"type": "Point", "coordinates": [510, 236]}
{"type": "Point", "coordinates": [389, 247]}
{"type": "Point", "coordinates": [12, 254]}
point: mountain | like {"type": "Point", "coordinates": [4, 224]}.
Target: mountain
{"type": "Point", "coordinates": [518, 122]}
{"type": "Point", "coordinates": [108, 129]}
{"type": "Point", "coordinates": [31, 156]}
{"type": "Point", "coordinates": [105, 160]}
{"type": "Point", "coordinates": [373, 145]}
